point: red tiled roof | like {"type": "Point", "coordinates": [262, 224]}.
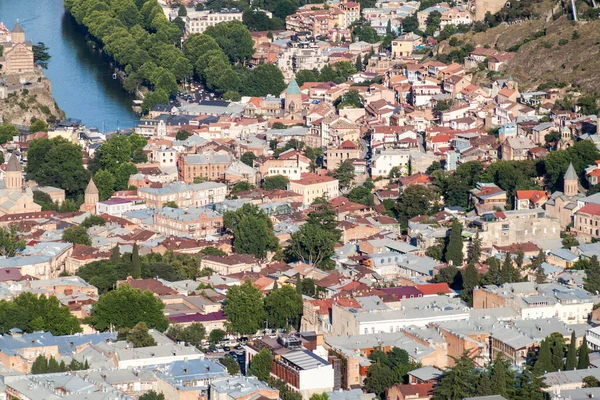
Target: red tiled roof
{"type": "Point", "coordinates": [434, 288]}
{"type": "Point", "coordinates": [593, 209]}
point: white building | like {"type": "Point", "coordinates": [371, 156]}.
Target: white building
{"type": "Point", "coordinates": [198, 21]}
{"type": "Point", "coordinates": [385, 160]}
{"type": "Point", "coordinates": [118, 206]}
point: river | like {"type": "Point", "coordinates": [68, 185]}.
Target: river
{"type": "Point", "coordinates": [81, 77]}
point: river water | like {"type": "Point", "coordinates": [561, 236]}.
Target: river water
{"type": "Point", "coordinates": [81, 78]}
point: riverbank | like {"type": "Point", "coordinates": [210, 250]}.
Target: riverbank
{"type": "Point", "coordinates": [26, 97]}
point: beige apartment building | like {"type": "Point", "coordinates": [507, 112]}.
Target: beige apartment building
{"type": "Point", "coordinates": [335, 156]}
{"type": "Point", "coordinates": [184, 195]}
{"type": "Point", "coordinates": [311, 186]}
{"type": "Point", "coordinates": [198, 21]}
{"type": "Point", "coordinates": [195, 221]}
{"type": "Point", "coordinates": [404, 45]}
{"type": "Point", "coordinates": [210, 165]}
{"type": "Point", "coordinates": [232, 264]}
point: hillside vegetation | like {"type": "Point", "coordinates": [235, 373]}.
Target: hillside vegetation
{"type": "Point", "coordinates": [552, 51]}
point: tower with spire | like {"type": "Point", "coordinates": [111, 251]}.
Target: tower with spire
{"type": "Point", "coordinates": [91, 198]}
{"type": "Point", "coordinates": [14, 175]}
{"type": "Point", "coordinates": [18, 53]}
{"type": "Point", "coordinates": [293, 100]}
{"type": "Point", "coordinates": [571, 182]}
{"type": "Point", "coordinates": [17, 35]}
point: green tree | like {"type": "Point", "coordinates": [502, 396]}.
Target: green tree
{"type": "Point", "coordinates": [10, 243]}
{"type": "Point", "coordinates": [93, 220]}
{"type": "Point", "coordinates": [344, 173]}
{"type": "Point", "coordinates": [30, 313]}
{"type": "Point", "coordinates": [454, 250]}
{"type": "Point", "coordinates": [233, 367]}
{"type": "Point", "coordinates": [241, 186]}
{"type": "Point", "coordinates": [474, 249]}
{"type": "Point", "coordinates": [283, 307]}
{"type": "Point", "coordinates": [182, 12]}
{"type": "Point", "coordinates": [192, 334]}
{"type": "Point", "coordinates": [260, 365]}
{"type": "Point", "coordinates": [583, 353]}
{"type": "Point", "coordinates": [125, 307]}
{"type": "Point", "coordinates": [592, 279]}
{"type": "Point", "coordinates": [571, 362]}
{"type": "Point", "coordinates": [182, 135]}
{"type": "Point", "coordinates": [38, 126]}
{"type": "Point", "coordinates": [213, 251]}
{"type": "Point", "coordinates": [152, 395]}
{"type": "Point", "coordinates": [508, 272]}
{"type": "Point", "coordinates": [415, 200]}
{"type": "Point", "coordinates": [244, 309]}
{"type": "Point", "coordinates": [350, 99]}
{"type": "Point", "coordinates": [531, 385]}
{"type": "Point", "coordinates": [105, 182]}
{"type": "Point", "coordinates": [248, 158]}
{"type": "Point", "coordinates": [263, 80]}
{"type": "Point", "coordinates": [502, 378]}
{"type": "Point", "coordinates": [410, 24]}
{"type": "Point", "coordinates": [41, 55]}
{"type": "Point", "coordinates": [7, 132]}
{"type": "Point", "coordinates": [113, 153]}
{"type": "Point", "coordinates": [317, 396]}
{"type": "Point", "coordinates": [277, 182]}
{"type": "Point", "coordinates": [234, 39]}
{"type": "Point", "coordinates": [457, 382]}
{"type": "Point", "coordinates": [569, 241]}
{"type": "Point", "coordinates": [252, 231]}
{"type": "Point", "coordinates": [77, 235]}
{"type": "Point", "coordinates": [216, 335]}
{"type": "Point", "coordinates": [151, 99]}
{"type": "Point", "coordinates": [138, 335]}
{"type": "Point", "coordinates": [306, 75]}
{"type": "Point", "coordinates": [543, 362]}
{"type": "Point", "coordinates": [470, 279]}
{"type": "Point", "coordinates": [170, 204]}
{"type": "Point", "coordinates": [379, 378]}
{"type": "Point", "coordinates": [314, 242]}
{"type": "Point", "coordinates": [122, 174]}
{"type": "Point", "coordinates": [136, 264]}
{"type": "Point", "coordinates": [58, 163]}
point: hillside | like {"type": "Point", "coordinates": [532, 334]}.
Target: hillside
{"type": "Point", "coordinates": [26, 102]}
{"type": "Point", "coordinates": [565, 51]}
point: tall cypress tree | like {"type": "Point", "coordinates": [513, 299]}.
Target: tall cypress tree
{"type": "Point", "coordinates": [571, 362]}
{"type": "Point", "coordinates": [136, 263]}
{"type": "Point", "coordinates": [359, 63]}
{"type": "Point", "coordinates": [299, 284]}
{"type": "Point", "coordinates": [474, 249]}
{"type": "Point", "coordinates": [454, 250]}
{"type": "Point", "coordinates": [508, 273]}
{"type": "Point", "coordinates": [584, 355]}
{"type": "Point", "coordinates": [115, 255]}
{"type": "Point", "coordinates": [543, 363]}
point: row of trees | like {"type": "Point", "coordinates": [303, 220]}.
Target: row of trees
{"type": "Point", "coordinates": [31, 313]}
{"type": "Point", "coordinates": [247, 311]}
{"type": "Point", "coordinates": [554, 355]}
{"type": "Point", "coordinates": [171, 267]}
{"type": "Point", "coordinates": [453, 187]}
{"type": "Point", "coordinates": [313, 243]}
{"type": "Point", "coordinates": [464, 380]}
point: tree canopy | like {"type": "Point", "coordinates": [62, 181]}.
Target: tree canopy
{"type": "Point", "coordinates": [125, 307]}
{"type": "Point", "coordinates": [31, 313]}
{"type": "Point", "coordinates": [59, 163]}
{"type": "Point", "coordinates": [244, 309]}
{"type": "Point", "coordinates": [252, 231]}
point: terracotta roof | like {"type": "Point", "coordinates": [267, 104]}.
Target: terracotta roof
{"type": "Point", "coordinates": [593, 209]}
{"type": "Point", "coordinates": [434, 288]}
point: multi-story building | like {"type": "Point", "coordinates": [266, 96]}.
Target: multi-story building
{"type": "Point", "coordinates": [197, 222]}
{"type": "Point", "coordinates": [319, 20]}
{"type": "Point", "coordinates": [312, 186]}
{"type": "Point", "coordinates": [383, 163]}
{"type": "Point", "coordinates": [198, 21]}
{"type": "Point", "coordinates": [585, 221]}
{"type": "Point", "coordinates": [336, 155]}
{"type": "Point", "coordinates": [302, 52]}
{"type": "Point", "coordinates": [536, 301]}
{"type": "Point", "coordinates": [232, 264]}
{"type": "Point", "coordinates": [209, 165]}
{"type": "Point", "coordinates": [404, 45]}
{"type": "Point", "coordinates": [291, 164]}
{"type": "Point", "coordinates": [303, 370]}
{"type": "Point", "coordinates": [184, 195]}
{"type": "Point", "coordinates": [517, 226]}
